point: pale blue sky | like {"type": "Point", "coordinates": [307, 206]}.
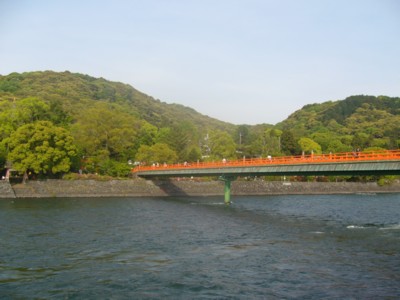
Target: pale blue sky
{"type": "Point", "coordinates": [240, 61]}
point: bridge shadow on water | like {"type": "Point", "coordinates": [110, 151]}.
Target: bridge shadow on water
{"type": "Point", "coordinates": [169, 187]}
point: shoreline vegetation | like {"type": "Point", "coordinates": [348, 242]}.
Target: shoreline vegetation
{"type": "Point", "coordinates": [54, 188]}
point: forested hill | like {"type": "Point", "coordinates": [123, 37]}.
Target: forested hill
{"type": "Point", "coordinates": [357, 121]}
{"type": "Point", "coordinates": [75, 92]}
{"type": "Point", "coordinates": [102, 125]}
{"type": "Point", "coordinates": [51, 123]}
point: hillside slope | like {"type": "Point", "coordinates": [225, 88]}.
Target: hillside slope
{"type": "Point", "coordinates": [358, 121]}
{"type": "Point", "coordinates": [77, 91]}
{"type": "Point", "coordinates": [112, 121]}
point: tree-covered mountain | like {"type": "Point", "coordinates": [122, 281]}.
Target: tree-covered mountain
{"type": "Point", "coordinates": [51, 122]}
{"type": "Point", "coordinates": [74, 92]}
{"type": "Point", "coordinates": [356, 122]}
{"type": "Point", "coordinates": [110, 122]}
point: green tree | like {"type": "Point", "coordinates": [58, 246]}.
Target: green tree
{"type": "Point", "coordinates": [324, 139]}
{"type": "Point", "coordinates": [308, 145]}
{"type": "Point", "coordinates": [194, 154]}
{"type": "Point", "coordinates": [242, 135]}
{"type": "Point", "coordinates": [147, 134]}
{"type": "Point", "coordinates": [3, 155]}
{"type": "Point", "coordinates": [157, 153]}
{"type": "Point", "coordinates": [181, 138]}
{"type": "Point", "coordinates": [222, 145]}
{"type": "Point", "coordinates": [256, 149]}
{"type": "Point", "coordinates": [59, 114]}
{"type": "Point", "coordinates": [32, 109]}
{"type": "Point", "coordinates": [273, 141]}
{"type": "Point", "coordinates": [163, 135]}
{"type": "Point", "coordinates": [14, 114]}
{"type": "Point", "coordinates": [288, 143]}
{"type": "Point", "coordinates": [336, 146]}
{"type": "Point", "coordinates": [8, 119]}
{"type": "Point", "coordinates": [106, 129]}
{"type": "Point", "coordinates": [41, 148]}
{"type": "Point", "coordinates": [361, 140]}
{"type": "Point", "coordinates": [113, 168]}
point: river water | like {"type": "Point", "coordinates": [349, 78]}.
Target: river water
{"type": "Point", "coordinates": [263, 247]}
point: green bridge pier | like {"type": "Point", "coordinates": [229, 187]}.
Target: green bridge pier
{"type": "Point", "coordinates": [227, 179]}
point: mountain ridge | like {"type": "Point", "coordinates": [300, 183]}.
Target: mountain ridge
{"type": "Point", "coordinates": [100, 89]}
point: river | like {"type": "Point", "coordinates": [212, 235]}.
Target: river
{"type": "Point", "coordinates": [259, 247]}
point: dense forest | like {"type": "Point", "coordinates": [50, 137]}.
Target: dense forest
{"type": "Point", "coordinates": [54, 123]}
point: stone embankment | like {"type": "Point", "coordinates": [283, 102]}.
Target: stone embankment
{"type": "Point", "coordinates": [6, 190]}
{"type": "Point", "coordinates": [147, 188]}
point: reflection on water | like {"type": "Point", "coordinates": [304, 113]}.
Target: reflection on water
{"type": "Point", "coordinates": [258, 247]}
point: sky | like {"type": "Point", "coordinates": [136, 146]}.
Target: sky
{"type": "Point", "coordinates": [239, 61]}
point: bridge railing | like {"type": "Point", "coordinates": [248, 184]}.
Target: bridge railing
{"type": "Point", "coordinates": [280, 160]}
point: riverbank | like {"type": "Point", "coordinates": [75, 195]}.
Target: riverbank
{"type": "Point", "coordinates": [147, 188]}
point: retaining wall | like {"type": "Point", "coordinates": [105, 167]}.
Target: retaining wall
{"type": "Point", "coordinates": [6, 190]}
{"type": "Point", "coordinates": [145, 188]}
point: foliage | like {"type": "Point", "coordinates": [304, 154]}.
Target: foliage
{"type": "Point", "coordinates": [147, 134]}
{"type": "Point", "coordinates": [194, 154]}
{"type": "Point", "coordinates": [113, 123]}
{"type": "Point", "coordinates": [77, 92]}
{"type": "Point", "coordinates": [222, 146]}
{"type": "Point", "coordinates": [106, 129]}
{"type": "Point", "coordinates": [307, 145]}
{"type": "Point", "coordinates": [356, 122]}
{"type": "Point", "coordinates": [158, 153]}
{"type": "Point", "coordinates": [114, 168]}
{"type": "Point", "coordinates": [273, 141]}
{"type": "Point", "coordinates": [288, 143]}
{"type": "Point", "coordinates": [14, 114]}
{"type": "Point", "coordinates": [109, 120]}
{"type": "Point", "coordinates": [42, 148]}
{"type": "Point", "coordinates": [182, 137]}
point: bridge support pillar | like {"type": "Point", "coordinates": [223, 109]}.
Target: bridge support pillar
{"type": "Point", "coordinates": [227, 192]}
{"type": "Point", "coordinates": [227, 188]}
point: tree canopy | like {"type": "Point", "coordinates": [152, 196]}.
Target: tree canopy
{"type": "Point", "coordinates": [42, 148]}
{"type": "Point", "coordinates": [156, 154]}
{"type": "Point", "coordinates": [49, 120]}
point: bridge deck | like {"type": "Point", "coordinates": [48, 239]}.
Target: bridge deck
{"type": "Point", "coordinates": [371, 163]}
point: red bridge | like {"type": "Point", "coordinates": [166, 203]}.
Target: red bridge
{"type": "Point", "coordinates": [382, 162]}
